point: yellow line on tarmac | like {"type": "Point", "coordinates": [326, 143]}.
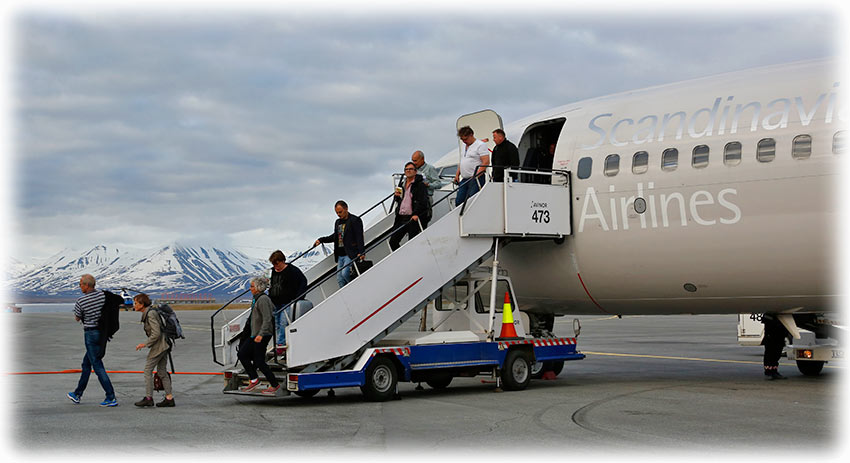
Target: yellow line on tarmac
{"type": "Point", "coordinates": [695, 359]}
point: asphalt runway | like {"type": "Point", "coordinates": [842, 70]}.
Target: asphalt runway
{"type": "Point", "coordinates": [649, 386]}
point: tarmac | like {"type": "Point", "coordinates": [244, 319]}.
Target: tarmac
{"type": "Point", "coordinates": [650, 386]}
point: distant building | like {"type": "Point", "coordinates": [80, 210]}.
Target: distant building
{"type": "Point", "coordinates": [186, 298]}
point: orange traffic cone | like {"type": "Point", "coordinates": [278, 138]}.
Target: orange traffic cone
{"type": "Point", "coordinates": [508, 330]}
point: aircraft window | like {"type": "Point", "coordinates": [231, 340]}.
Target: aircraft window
{"type": "Point", "coordinates": [839, 143]}
{"type": "Point", "coordinates": [766, 150]}
{"type": "Point", "coordinates": [802, 148]}
{"type": "Point", "coordinates": [640, 162]}
{"type": "Point", "coordinates": [585, 165]}
{"type": "Point", "coordinates": [732, 153]}
{"type": "Point", "coordinates": [448, 171]}
{"type": "Point", "coordinates": [612, 165]}
{"type": "Point", "coordinates": [700, 156]}
{"type": "Point", "coordinates": [669, 159]}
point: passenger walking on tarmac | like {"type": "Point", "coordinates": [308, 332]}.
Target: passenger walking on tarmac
{"type": "Point", "coordinates": [348, 242]}
{"type": "Point", "coordinates": [88, 310]}
{"type": "Point", "coordinates": [774, 342]}
{"type": "Point", "coordinates": [475, 157]}
{"type": "Point", "coordinates": [429, 173]}
{"type": "Point", "coordinates": [287, 283]}
{"type": "Point", "coordinates": [255, 338]}
{"type": "Point", "coordinates": [412, 206]}
{"type": "Point", "coordinates": [505, 155]}
{"type": "Point", "coordinates": [159, 347]}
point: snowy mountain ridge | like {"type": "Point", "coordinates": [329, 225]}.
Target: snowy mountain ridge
{"type": "Point", "coordinates": [171, 268]}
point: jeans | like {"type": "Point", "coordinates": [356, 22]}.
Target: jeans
{"type": "Point", "coordinates": [343, 274]}
{"type": "Point", "coordinates": [93, 360]}
{"type": "Point", "coordinates": [281, 322]}
{"type": "Point", "coordinates": [468, 188]}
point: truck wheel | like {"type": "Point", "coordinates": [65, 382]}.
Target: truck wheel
{"type": "Point", "coordinates": [439, 382]}
{"type": "Point", "coordinates": [539, 368]}
{"type": "Point", "coordinates": [810, 367]}
{"type": "Point", "coordinates": [556, 366]}
{"type": "Point", "coordinates": [307, 393]}
{"type": "Point", "coordinates": [381, 380]}
{"type": "Point", "coordinates": [516, 372]}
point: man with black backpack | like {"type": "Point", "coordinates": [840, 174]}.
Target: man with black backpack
{"type": "Point", "coordinates": [158, 341]}
{"type": "Point", "coordinates": [90, 310]}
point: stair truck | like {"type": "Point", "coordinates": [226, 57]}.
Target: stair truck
{"type": "Point", "coordinates": [346, 337]}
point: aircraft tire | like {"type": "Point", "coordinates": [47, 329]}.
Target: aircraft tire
{"type": "Point", "coordinates": [810, 367]}
{"type": "Point", "coordinates": [516, 372]}
{"type": "Point", "coordinates": [381, 380]}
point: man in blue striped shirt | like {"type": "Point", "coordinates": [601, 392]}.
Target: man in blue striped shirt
{"type": "Point", "coordinates": [88, 310]}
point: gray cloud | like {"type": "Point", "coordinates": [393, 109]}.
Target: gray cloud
{"type": "Point", "coordinates": [246, 127]}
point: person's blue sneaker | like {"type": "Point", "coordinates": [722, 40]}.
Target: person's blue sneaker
{"type": "Point", "coordinates": [74, 397]}
{"type": "Point", "coordinates": [109, 403]}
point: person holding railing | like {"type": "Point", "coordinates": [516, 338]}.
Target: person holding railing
{"type": "Point", "coordinates": [412, 206]}
{"type": "Point", "coordinates": [255, 338]}
{"type": "Point", "coordinates": [475, 157]}
{"type": "Point", "coordinates": [348, 242]}
{"type": "Point", "coordinates": [287, 282]}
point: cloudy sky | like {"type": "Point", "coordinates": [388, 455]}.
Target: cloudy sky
{"type": "Point", "coordinates": [241, 126]}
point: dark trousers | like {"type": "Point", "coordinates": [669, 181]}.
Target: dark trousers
{"type": "Point", "coordinates": [408, 227]}
{"type": "Point", "coordinates": [252, 354]}
{"type": "Point", "coordinates": [774, 342]}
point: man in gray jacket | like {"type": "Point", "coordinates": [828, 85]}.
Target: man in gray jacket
{"type": "Point", "coordinates": [429, 173]}
{"type": "Point", "coordinates": [256, 336]}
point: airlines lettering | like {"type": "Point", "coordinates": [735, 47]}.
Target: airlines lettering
{"type": "Point", "coordinates": [704, 122]}
{"type": "Point", "coordinates": [660, 208]}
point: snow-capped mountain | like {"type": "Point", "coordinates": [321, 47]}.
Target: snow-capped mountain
{"type": "Point", "coordinates": [238, 283]}
{"type": "Point", "coordinates": [171, 268]}
{"type": "Point", "coordinates": [14, 267]}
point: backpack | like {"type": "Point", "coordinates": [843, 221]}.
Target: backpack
{"type": "Point", "coordinates": [170, 323]}
{"type": "Point", "coordinates": [108, 322]}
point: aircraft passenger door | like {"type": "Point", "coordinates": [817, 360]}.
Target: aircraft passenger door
{"type": "Point", "coordinates": [483, 123]}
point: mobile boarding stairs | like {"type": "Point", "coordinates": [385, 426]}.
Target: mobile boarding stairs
{"type": "Point", "coordinates": [347, 325]}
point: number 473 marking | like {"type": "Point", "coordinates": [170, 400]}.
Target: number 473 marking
{"type": "Point", "coordinates": [540, 216]}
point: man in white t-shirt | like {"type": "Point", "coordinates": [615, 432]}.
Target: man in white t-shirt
{"type": "Point", "coordinates": [474, 159]}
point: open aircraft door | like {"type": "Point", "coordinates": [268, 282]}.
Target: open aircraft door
{"type": "Point", "coordinates": [483, 123]}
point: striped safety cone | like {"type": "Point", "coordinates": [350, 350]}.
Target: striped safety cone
{"type": "Point", "coordinates": [508, 330]}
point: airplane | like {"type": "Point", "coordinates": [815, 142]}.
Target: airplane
{"type": "Point", "coordinates": [711, 196]}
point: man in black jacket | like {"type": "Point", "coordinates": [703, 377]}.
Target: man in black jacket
{"type": "Point", "coordinates": [412, 206]}
{"type": "Point", "coordinates": [348, 242]}
{"type": "Point", "coordinates": [287, 283]}
{"type": "Point", "coordinates": [505, 155]}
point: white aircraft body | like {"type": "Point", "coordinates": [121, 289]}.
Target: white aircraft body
{"type": "Point", "coordinates": [716, 195]}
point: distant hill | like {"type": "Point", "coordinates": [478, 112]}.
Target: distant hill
{"type": "Point", "coordinates": [169, 269]}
